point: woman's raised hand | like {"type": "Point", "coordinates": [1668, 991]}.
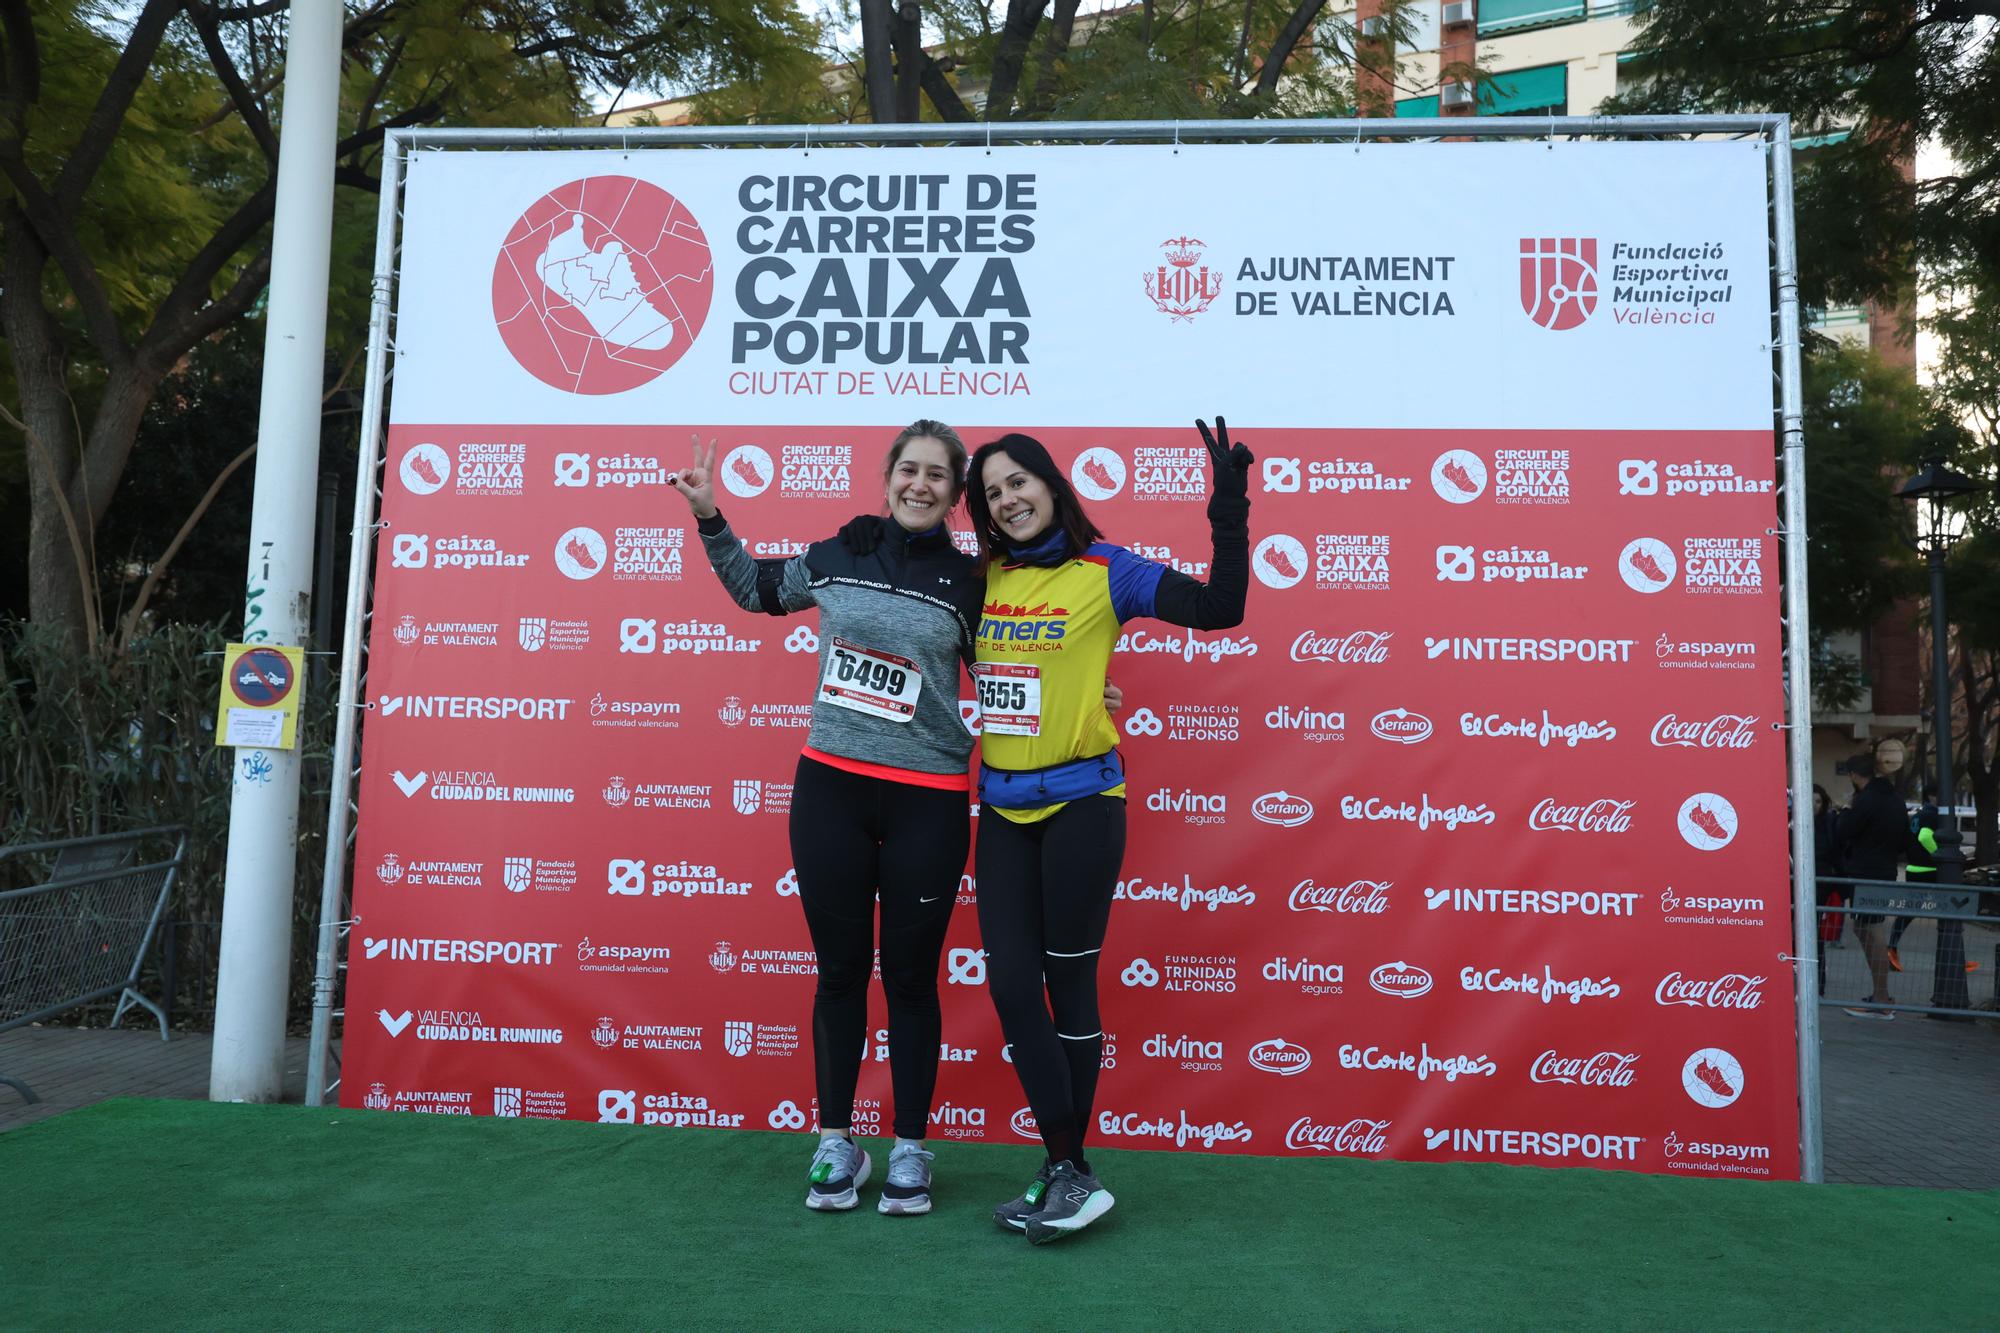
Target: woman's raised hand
{"type": "Point", "coordinates": [697, 483]}
{"type": "Point", "coordinates": [1232, 464]}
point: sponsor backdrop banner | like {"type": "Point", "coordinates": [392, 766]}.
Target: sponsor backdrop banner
{"type": "Point", "coordinates": [1469, 844]}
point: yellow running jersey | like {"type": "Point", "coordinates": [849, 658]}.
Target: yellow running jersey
{"type": "Point", "coordinates": [1045, 639]}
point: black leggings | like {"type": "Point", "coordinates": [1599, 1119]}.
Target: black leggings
{"type": "Point", "coordinates": [1044, 901]}
{"type": "Point", "coordinates": [855, 840]}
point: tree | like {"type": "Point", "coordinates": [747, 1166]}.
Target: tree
{"type": "Point", "coordinates": [1968, 383]}
{"type": "Point", "coordinates": [1030, 60]}
{"type": "Point", "coordinates": [1868, 81]}
{"type": "Point", "coordinates": [1886, 75]}
{"type": "Point", "coordinates": [138, 153]}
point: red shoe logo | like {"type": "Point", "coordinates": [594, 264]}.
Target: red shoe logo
{"type": "Point", "coordinates": [426, 469]}
{"type": "Point", "coordinates": [747, 470]}
{"type": "Point", "coordinates": [1460, 478]}
{"type": "Point", "coordinates": [1278, 560]}
{"type": "Point", "coordinates": [1704, 819]}
{"type": "Point", "coordinates": [1643, 562]}
{"type": "Point", "coordinates": [1712, 1078]}
{"type": "Point", "coordinates": [577, 551]}
{"type": "Point", "coordinates": [1097, 473]}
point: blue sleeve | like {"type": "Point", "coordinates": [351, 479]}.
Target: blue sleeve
{"type": "Point", "coordinates": [1134, 581]}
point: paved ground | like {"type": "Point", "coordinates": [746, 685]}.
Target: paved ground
{"type": "Point", "coordinates": [1908, 1102]}
{"type": "Point", "coordinates": [72, 1067]}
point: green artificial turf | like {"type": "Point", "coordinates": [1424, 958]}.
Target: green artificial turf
{"type": "Point", "coordinates": [184, 1214]}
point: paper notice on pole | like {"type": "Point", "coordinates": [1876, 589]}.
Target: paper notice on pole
{"type": "Point", "coordinates": [254, 726]}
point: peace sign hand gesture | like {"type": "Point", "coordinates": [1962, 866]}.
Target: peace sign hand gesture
{"type": "Point", "coordinates": [697, 483]}
{"type": "Point", "coordinates": [1232, 464]}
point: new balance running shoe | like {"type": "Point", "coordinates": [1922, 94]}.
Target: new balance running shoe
{"type": "Point", "coordinates": [1014, 1215]}
{"type": "Point", "coordinates": [839, 1168]}
{"type": "Point", "coordinates": [908, 1188]}
{"type": "Point", "coordinates": [1073, 1201]}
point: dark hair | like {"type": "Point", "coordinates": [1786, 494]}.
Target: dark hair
{"type": "Point", "coordinates": [1030, 455]}
{"type": "Point", "coordinates": [925, 429]}
{"type": "Point", "coordinates": [1820, 794]}
{"type": "Point", "coordinates": [1861, 765]}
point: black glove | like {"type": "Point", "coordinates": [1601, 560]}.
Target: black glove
{"type": "Point", "coordinates": [862, 534]}
{"type": "Point", "coordinates": [1232, 465]}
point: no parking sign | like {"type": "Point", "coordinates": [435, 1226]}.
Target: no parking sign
{"type": "Point", "coordinates": [259, 703]}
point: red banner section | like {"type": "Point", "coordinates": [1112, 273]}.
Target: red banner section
{"type": "Point", "coordinates": [1469, 844]}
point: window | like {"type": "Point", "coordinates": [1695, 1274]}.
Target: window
{"type": "Point", "coordinates": [1541, 91]}
{"type": "Point", "coordinates": [1498, 16]}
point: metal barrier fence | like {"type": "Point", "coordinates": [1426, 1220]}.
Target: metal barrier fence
{"type": "Point", "coordinates": [1896, 947]}
{"type": "Point", "coordinates": [82, 933]}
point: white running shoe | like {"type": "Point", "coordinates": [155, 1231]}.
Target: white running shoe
{"type": "Point", "coordinates": [839, 1168]}
{"type": "Point", "coordinates": [907, 1191]}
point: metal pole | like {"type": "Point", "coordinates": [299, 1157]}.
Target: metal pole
{"type": "Point", "coordinates": [322, 631]}
{"type": "Point", "coordinates": [333, 879]}
{"type": "Point", "coordinates": [1098, 131]}
{"type": "Point", "coordinates": [248, 1061]}
{"type": "Point", "coordinates": [1798, 656]}
{"type": "Point", "coordinates": [1948, 988]}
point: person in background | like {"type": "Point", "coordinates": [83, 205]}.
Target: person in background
{"type": "Point", "coordinates": [1873, 834]}
{"type": "Point", "coordinates": [1920, 868]}
{"type": "Point", "coordinates": [1825, 863]}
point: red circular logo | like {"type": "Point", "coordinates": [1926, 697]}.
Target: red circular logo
{"type": "Point", "coordinates": [602, 285]}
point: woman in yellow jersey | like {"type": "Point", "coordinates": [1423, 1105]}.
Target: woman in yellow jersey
{"type": "Point", "coordinates": [1052, 784]}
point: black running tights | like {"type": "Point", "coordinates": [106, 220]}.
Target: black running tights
{"type": "Point", "coordinates": [1044, 901]}
{"type": "Point", "coordinates": [854, 838]}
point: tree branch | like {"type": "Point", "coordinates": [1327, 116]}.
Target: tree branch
{"type": "Point", "coordinates": [242, 294]}
{"type": "Point", "coordinates": [102, 128]}
{"type": "Point", "coordinates": [239, 13]}
{"type": "Point", "coordinates": [1283, 45]}
{"type": "Point", "coordinates": [1023, 17]}
{"type": "Point", "coordinates": [130, 627]}
{"type": "Point", "coordinates": [164, 341]}
{"type": "Point", "coordinates": [354, 143]}
{"type": "Point", "coordinates": [943, 96]}
{"type": "Point", "coordinates": [1062, 24]}
{"type": "Point", "coordinates": [246, 105]}
{"type": "Point", "coordinates": [906, 38]}
{"type": "Point", "coordinates": [877, 64]}
{"type": "Point", "coordinates": [52, 226]}
{"type": "Point", "coordinates": [389, 61]}
{"type": "Point", "coordinates": [92, 614]}
{"type": "Point", "coordinates": [23, 66]}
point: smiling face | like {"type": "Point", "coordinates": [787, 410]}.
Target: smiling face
{"type": "Point", "coordinates": [1019, 501]}
{"type": "Point", "coordinates": [921, 487]}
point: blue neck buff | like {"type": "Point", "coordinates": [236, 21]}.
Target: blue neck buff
{"type": "Point", "coordinates": [1051, 549]}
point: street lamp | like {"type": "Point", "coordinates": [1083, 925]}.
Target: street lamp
{"type": "Point", "coordinates": [1932, 495]}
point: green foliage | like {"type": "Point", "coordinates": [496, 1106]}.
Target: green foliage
{"type": "Point", "coordinates": [1865, 423]}
{"type": "Point", "coordinates": [1174, 62]}
{"type": "Point", "coordinates": [95, 743]}
{"type": "Point", "coordinates": [195, 148]}
{"type": "Point", "coordinates": [1893, 73]}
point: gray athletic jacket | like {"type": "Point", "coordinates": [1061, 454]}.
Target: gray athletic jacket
{"type": "Point", "coordinates": [914, 596]}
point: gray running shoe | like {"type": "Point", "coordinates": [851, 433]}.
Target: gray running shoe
{"type": "Point", "coordinates": [839, 1168]}
{"type": "Point", "coordinates": [1014, 1215]}
{"type": "Point", "coordinates": [1073, 1202]}
{"type": "Point", "coordinates": [908, 1188]}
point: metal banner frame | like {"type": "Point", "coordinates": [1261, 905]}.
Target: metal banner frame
{"type": "Point", "coordinates": [1774, 132]}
